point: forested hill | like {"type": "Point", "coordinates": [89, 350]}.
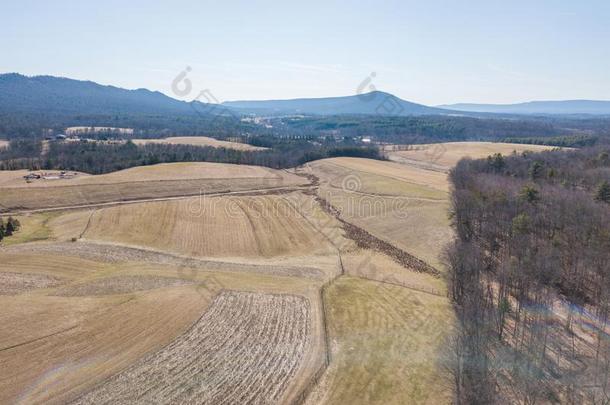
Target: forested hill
{"type": "Point", "coordinates": [32, 107]}
{"type": "Point", "coordinates": [373, 103]}
{"type": "Point", "coordinates": [57, 95]}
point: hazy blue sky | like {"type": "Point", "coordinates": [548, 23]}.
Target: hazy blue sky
{"type": "Point", "coordinates": [425, 51]}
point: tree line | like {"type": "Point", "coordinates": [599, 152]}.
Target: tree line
{"type": "Point", "coordinates": [558, 131]}
{"type": "Point", "coordinates": [555, 131]}
{"type": "Point", "coordinates": [96, 158]}
{"type": "Point", "coordinates": [529, 275]}
{"type": "Point", "coordinates": [570, 141]}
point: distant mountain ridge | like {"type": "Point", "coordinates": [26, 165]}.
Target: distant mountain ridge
{"type": "Point", "coordinates": [49, 94]}
{"type": "Point", "coordinates": [58, 95]}
{"type": "Point", "coordinates": [562, 107]}
{"type": "Point", "coordinates": [376, 102]}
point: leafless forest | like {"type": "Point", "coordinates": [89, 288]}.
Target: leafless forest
{"type": "Point", "coordinates": [530, 278]}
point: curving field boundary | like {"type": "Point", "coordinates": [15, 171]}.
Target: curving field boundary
{"type": "Point", "coordinates": [246, 348]}
{"type": "Point", "coordinates": [115, 253]}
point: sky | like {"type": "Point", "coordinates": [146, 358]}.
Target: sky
{"type": "Point", "coordinates": [431, 52]}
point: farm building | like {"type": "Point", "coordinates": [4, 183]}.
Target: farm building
{"type": "Point", "coordinates": [58, 137]}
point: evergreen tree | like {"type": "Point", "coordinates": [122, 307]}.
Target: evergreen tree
{"type": "Point", "coordinates": [9, 227]}
{"type": "Point", "coordinates": [530, 194]}
{"type": "Point", "coordinates": [496, 162]}
{"type": "Point", "coordinates": [15, 222]}
{"type": "Point", "coordinates": [536, 170]}
{"type": "Point", "coordinates": [603, 192]}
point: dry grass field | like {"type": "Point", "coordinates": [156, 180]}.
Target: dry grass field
{"type": "Point", "coordinates": [388, 325]}
{"type": "Point", "coordinates": [403, 202]}
{"type": "Point", "coordinates": [88, 340]}
{"type": "Point", "coordinates": [443, 156]}
{"type": "Point", "coordinates": [244, 349]}
{"type": "Point", "coordinates": [403, 205]}
{"type": "Point", "coordinates": [263, 297]}
{"type": "Point", "coordinates": [146, 182]}
{"type": "Point", "coordinates": [98, 318]}
{"type": "Point", "coordinates": [119, 285]}
{"type": "Point", "coordinates": [200, 141]}
{"type": "Point", "coordinates": [17, 283]}
{"type": "Point", "coordinates": [69, 301]}
{"type": "Point", "coordinates": [385, 172]}
{"type": "Point", "coordinates": [15, 178]}
{"type": "Point", "coordinates": [259, 226]}
{"type": "Point", "coordinates": [375, 266]}
{"type": "Point", "coordinates": [158, 172]}
{"type": "Point", "coordinates": [185, 171]}
{"type": "Point", "coordinates": [33, 228]}
{"type": "Point", "coordinates": [386, 343]}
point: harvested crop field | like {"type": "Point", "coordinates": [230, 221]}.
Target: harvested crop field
{"type": "Point", "coordinates": [421, 228]}
{"type": "Point", "coordinates": [376, 266]}
{"type": "Point", "coordinates": [88, 257]}
{"type": "Point", "coordinates": [388, 204]}
{"type": "Point", "coordinates": [387, 324]}
{"type": "Point", "coordinates": [244, 349]}
{"type": "Point", "coordinates": [259, 226]}
{"type": "Point", "coordinates": [119, 285]}
{"type": "Point", "coordinates": [17, 283]}
{"type": "Point", "coordinates": [443, 156]}
{"type": "Point", "coordinates": [379, 171]}
{"type": "Point", "coordinates": [28, 259]}
{"type": "Point", "coordinates": [219, 299]}
{"type": "Point", "coordinates": [167, 172]}
{"type": "Point", "coordinates": [145, 182]}
{"type": "Point", "coordinates": [199, 141]}
{"type": "Point", "coordinates": [56, 347]}
{"type": "Point", "coordinates": [406, 202]}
